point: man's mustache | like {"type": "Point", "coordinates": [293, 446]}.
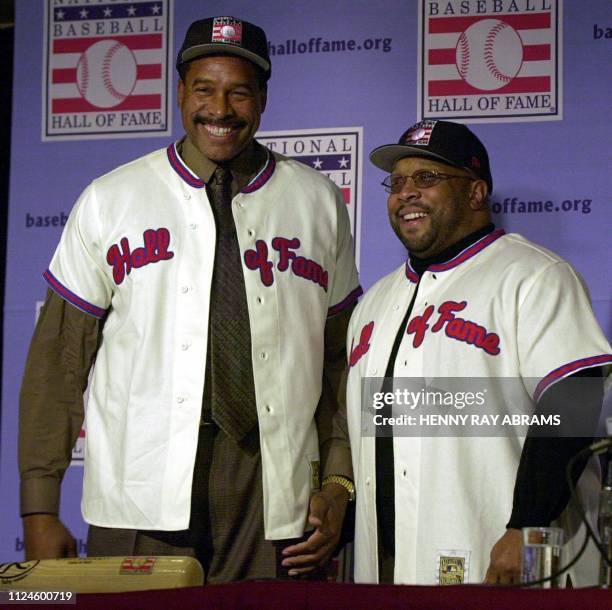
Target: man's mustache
{"type": "Point", "coordinates": [230, 123]}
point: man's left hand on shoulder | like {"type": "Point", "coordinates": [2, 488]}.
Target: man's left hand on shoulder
{"type": "Point", "coordinates": [505, 565]}
{"type": "Point", "coordinates": [326, 514]}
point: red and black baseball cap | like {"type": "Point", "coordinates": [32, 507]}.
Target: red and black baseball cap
{"type": "Point", "coordinates": [451, 143]}
{"type": "Point", "coordinates": [225, 36]}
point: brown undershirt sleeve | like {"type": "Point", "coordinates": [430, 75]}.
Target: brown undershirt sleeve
{"type": "Point", "coordinates": [51, 411]}
{"type": "Point", "coordinates": [331, 411]}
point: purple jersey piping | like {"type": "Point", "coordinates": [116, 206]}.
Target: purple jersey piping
{"type": "Point", "coordinates": [349, 300]}
{"type": "Point", "coordinates": [72, 298]}
{"type": "Point", "coordinates": [569, 369]}
{"type": "Point", "coordinates": [264, 175]}
{"type": "Point", "coordinates": [464, 255]}
{"type": "Point", "coordinates": [181, 169]}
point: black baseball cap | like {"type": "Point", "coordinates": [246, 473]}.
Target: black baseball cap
{"type": "Point", "coordinates": [451, 143]}
{"type": "Point", "coordinates": [226, 36]}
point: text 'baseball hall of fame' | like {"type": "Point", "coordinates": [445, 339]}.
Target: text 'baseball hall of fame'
{"type": "Point", "coordinates": [490, 60]}
{"type": "Point", "coordinates": [335, 152]}
{"type": "Point", "coordinates": [106, 69]}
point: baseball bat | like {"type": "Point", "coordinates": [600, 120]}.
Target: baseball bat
{"type": "Point", "coordinates": [102, 574]}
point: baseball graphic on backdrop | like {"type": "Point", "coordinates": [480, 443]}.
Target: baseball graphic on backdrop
{"type": "Point", "coordinates": [489, 54]}
{"type": "Point", "coordinates": [106, 73]}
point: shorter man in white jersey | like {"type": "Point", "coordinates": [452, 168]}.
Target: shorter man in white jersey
{"type": "Point", "coordinates": [450, 509]}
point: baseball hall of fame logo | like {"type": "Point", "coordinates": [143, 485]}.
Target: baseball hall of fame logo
{"type": "Point", "coordinates": [490, 60]}
{"type": "Point", "coordinates": [106, 69]}
{"type": "Point", "coordinates": [335, 152]}
{"type": "Point", "coordinates": [452, 567]}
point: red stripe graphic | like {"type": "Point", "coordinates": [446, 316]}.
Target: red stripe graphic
{"type": "Point", "coordinates": [536, 52]}
{"type": "Point", "coordinates": [346, 195]}
{"type": "Point", "coordinates": [448, 25]}
{"type": "Point", "coordinates": [526, 84]}
{"type": "Point", "coordinates": [440, 57]}
{"type": "Point", "coordinates": [143, 72]}
{"type": "Point", "coordinates": [148, 71]}
{"type": "Point", "coordinates": [531, 52]}
{"type": "Point", "coordinates": [79, 45]}
{"type": "Point", "coordinates": [64, 75]}
{"type": "Point", "coordinates": [134, 102]}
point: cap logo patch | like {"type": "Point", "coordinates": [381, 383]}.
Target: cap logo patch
{"type": "Point", "coordinates": [475, 162]}
{"type": "Point", "coordinates": [227, 30]}
{"type": "Point", "coordinates": [420, 133]}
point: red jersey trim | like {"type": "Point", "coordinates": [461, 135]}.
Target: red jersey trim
{"type": "Point", "coordinates": [72, 298]}
{"type": "Point", "coordinates": [181, 169]}
{"type": "Point", "coordinates": [569, 369]}
{"type": "Point", "coordinates": [349, 300]}
{"type": "Point", "coordinates": [264, 175]}
{"type": "Point", "coordinates": [463, 256]}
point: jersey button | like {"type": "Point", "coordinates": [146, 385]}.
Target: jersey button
{"type": "Point", "coordinates": [185, 346]}
{"type": "Point", "coordinates": [263, 355]}
{"type": "Point", "coordinates": [193, 226]}
{"type": "Point", "coordinates": [180, 400]}
{"type": "Point", "coordinates": [251, 233]}
{"type": "Point", "coordinates": [187, 196]}
{"type": "Point", "coordinates": [184, 289]}
{"type": "Point", "coordinates": [260, 300]}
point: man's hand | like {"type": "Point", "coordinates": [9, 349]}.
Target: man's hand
{"type": "Point", "coordinates": [46, 537]}
{"type": "Point", "coordinates": [505, 565]}
{"type": "Point", "coordinates": [327, 509]}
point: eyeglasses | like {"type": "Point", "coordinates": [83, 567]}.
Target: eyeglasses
{"type": "Point", "coordinates": [422, 179]}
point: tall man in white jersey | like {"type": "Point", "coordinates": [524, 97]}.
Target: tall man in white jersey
{"type": "Point", "coordinates": [470, 302]}
{"type": "Point", "coordinates": [212, 282]}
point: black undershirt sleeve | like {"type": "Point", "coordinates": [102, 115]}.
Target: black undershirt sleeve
{"type": "Point", "coordinates": [541, 492]}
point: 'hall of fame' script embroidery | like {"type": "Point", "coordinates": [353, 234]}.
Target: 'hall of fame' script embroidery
{"type": "Point", "coordinates": [454, 328]}
{"type": "Point", "coordinates": [288, 259]}
{"type": "Point", "coordinates": [359, 350]}
{"type": "Point", "coordinates": [155, 249]}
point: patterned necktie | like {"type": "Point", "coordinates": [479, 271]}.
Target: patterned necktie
{"type": "Point", "coordinates": [229, 366]}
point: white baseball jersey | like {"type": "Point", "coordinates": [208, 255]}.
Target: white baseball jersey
{"type": "Point", "coordinates": [453, 496]}
{"type": "Point", "coordinates": [138, 251]}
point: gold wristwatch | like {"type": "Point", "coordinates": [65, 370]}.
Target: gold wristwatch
{"type": "Point", "coordinates": [343, 481]}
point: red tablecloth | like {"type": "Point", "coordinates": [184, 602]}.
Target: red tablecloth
{"type": "Point", "coordinates": [322, 596]}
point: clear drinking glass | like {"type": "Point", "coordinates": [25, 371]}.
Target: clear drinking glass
{"type": "Point", "coordinates": [541, 554]}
